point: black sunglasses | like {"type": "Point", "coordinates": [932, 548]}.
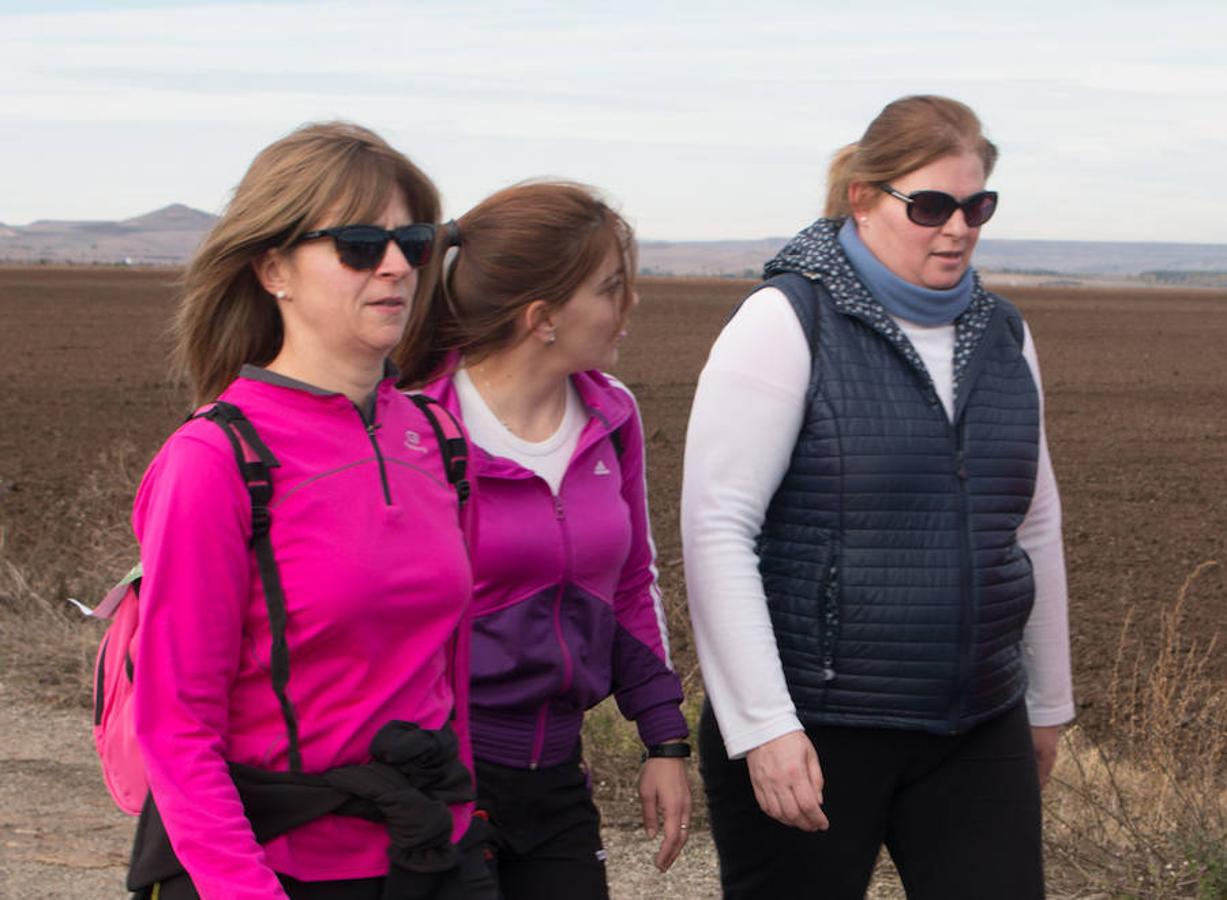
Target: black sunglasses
{"type": "Point", "coordinates": [933, 208]}
{"type": "Point", "coordinates": [362, 247]}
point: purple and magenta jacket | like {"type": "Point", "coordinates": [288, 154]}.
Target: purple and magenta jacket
{"type": "Point", "coordinates": [567, 609]}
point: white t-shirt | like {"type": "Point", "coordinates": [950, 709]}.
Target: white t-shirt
{"type": "Point", "coordinates": [747, 414]}
{"type": "Point", "coordinates": [547, 458]}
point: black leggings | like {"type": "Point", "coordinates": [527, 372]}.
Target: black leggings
{"type": "Point", "coordinates": [547, 831]}
{"type": "Point", "coordinates": [960, 815]}
{"type": "Point", "coordinates": [181, 888]}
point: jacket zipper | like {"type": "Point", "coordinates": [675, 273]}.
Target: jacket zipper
{"type": "Point", "coordinates": [959, 690]}
{"type": "Point", "coordinates": [568, 665]}
{"type": "Point", "coordinates": [539, 735]}
{"type": "Point", "coordinates": [370, 428]}
{"type": "Point", "coordinates": [958, 698]}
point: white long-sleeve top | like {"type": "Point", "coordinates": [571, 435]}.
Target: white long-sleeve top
{"type": "Point", "coordinates": [747, 415]}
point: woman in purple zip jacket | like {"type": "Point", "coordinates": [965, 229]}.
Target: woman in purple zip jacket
{"type": "Point", "coordinates": [567, 608]}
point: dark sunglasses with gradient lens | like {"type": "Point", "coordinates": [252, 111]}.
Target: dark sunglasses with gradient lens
{"type": "Point", "coordinates": [362, 247]}
{"type": "Point", "coordinates": [932, 208]}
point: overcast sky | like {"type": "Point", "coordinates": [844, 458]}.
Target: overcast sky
{"type": "Point", "coordinates": [701, 120]}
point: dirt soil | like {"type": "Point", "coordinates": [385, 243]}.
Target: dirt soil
{"type": "Point", "coordinates": [1136, 386]}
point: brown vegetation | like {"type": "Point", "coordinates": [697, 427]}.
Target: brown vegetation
{"type": "Point", "coordinates": [1136, 385]}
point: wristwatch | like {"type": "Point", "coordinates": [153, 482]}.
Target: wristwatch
{"type": "Point", "coordinates": [672, 750]}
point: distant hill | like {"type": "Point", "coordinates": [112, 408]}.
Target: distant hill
{"type": "Point", "coordinates": [175, 217]}
{"type": "Point", "coordinates": [1149, 261]}
{"type": "Point", "coordinates": [1100, 257]}
{"type": "Point", "coordinates": [168, 236]}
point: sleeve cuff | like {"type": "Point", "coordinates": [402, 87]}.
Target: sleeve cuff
{"type": "Point", "coordinates": [1041, 716]}
{"type": "Point", "coordinates": [661, 723]}
{"type": "Point", "coordinates": [739, 745]}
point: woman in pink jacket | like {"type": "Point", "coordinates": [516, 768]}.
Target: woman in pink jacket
{"type": "Point", "coordinates": [258, 736]}
{"type": "Point", "coordinates": [566, 606]}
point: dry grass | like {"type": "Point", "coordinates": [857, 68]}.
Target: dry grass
{"type": "Point", "coordinates": [1143, 813]}
{"type": "Point", "coordinates": [1139, 813]}
{"type": "Point", "coordinates": [85, 545]}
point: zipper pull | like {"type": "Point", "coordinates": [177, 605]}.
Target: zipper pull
{"type": "Point", "coordinates": [370, 427]}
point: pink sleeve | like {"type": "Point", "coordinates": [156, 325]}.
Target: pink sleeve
{"type": "Point", "coordinates": [192, 517]}
{"type": "Point", "coordinates": [645, 686]}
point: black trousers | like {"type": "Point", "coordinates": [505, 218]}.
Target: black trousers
{"type": "Point", "coordinates": [181, 888]}
{"type": "Point", "coordinates": [547, 831]}
{"type": "Point", "coordinates": [960, 815]}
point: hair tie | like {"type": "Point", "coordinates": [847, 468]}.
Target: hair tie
{"type": "Point", "coordinates": [453, 233]}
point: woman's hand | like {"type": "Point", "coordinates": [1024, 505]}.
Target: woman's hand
{"type": "Point", "coordinates": [664, 791]}
{"type": "Point", "coordinates": [788, 781]}
{"type": "Point", "coordinates": [1045, 738]}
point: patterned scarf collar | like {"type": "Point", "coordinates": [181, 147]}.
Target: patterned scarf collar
{"type": "Point", "coordinates": [816, 254]}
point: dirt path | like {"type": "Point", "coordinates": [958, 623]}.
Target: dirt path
{"type": "Point", "coordinates": [61, 838]}
{"type": "Point", "coordinates": [60, 834]}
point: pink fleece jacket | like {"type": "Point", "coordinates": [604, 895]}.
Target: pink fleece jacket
{"type": "Point", "coordinates": [377, 586]}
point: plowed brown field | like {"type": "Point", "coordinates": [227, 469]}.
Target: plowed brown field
{"type": "Point", "coordinates": [1136, 385]}
{"type": "Point", "coordinates": [1135, 379]}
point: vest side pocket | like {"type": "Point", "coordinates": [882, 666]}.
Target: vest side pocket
{"type": "Point", "coordinates": [829, 621]}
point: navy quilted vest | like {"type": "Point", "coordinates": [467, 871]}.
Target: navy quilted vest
{"type": "Point", "coordinates": [897, 589]}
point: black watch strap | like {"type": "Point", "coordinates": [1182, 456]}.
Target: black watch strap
{"type": "Point", "coordinates": [674, 750]}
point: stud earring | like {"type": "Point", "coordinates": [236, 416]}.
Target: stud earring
{"type": "Point", "coordinates": [551, 337]}
{"type": "Point", "coordinates": [280, 295]}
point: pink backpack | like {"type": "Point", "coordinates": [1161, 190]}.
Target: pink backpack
{"type": "Point", "coordinates": [114, 731]}
{"type": "Point", "coordinates": [113, 734]}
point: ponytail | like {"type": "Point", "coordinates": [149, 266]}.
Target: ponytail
{"type": "Point", "coordinates": [529, 242]}
{"type": "Point", "coordinates": [839, 179]}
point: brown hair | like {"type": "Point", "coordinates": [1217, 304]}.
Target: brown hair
{"type": "Point", "coordinates": [532, 241]}
{"type": "Point", "coordinates": [906, 135]}
{"type": "Point", "coordinates": [225, 317]}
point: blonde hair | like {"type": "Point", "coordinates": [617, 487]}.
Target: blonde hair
{"type": "Point", "coordinates": [906, 135]}
{"type": "Point", "coordinates": [532, 241]}
{"type": "Point", "coordinates": [339, 170]}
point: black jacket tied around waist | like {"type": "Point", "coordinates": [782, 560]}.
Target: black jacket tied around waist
{"type": "Point", "coordinates": [414, 775]}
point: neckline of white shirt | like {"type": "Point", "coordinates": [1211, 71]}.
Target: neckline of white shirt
{"type": "Point", "coordinates": [481, 419]}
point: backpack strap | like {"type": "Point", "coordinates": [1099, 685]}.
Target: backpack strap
{"type": "Point", "coordinates": [451, 441]}
{"type": "Point", "coordinates": [258, 478]}
{"type": "Point", "coordinates": [454, 447]}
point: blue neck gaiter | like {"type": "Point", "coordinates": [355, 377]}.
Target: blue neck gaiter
{"type": "Point", "coordinates": [921, 305]}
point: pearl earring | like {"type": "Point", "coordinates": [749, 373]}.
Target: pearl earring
{"type": "Point", "coordinates": [280, 295]}
{"type": "Point", "coordinates": [551, 337]}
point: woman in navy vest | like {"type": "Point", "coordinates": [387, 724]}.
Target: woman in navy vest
{"type": "Point", "coordinates": [873, 549]}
